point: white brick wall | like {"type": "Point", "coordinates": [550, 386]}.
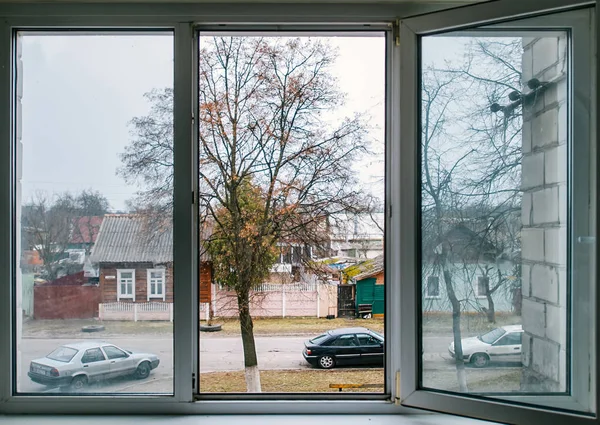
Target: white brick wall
{"type": "Point", "coordinates": [546, 206]}
{"type": "Point", "coordinates": [530, 175]}
{"type": "Point", "coordinates": [544, 283]}
{"type": "Point", "coordinates": [532, 241]}
{"type": "Point", "coordinates": [534, 317]}
{"type": "Point", "coordinates": [544, 212]}
{"type": "Point", "coordinates": [545, 358]}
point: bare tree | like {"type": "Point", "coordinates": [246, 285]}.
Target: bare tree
{"type": "Point", "coordinates": [471, 171]}
{"type": "Point", "coordinates": [52, 223]}
{"type": "Point", "coordinates": [273, 167]}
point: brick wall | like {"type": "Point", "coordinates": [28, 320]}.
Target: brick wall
{"type": "Point", "coordinates": [65, 302]}
{"type": "Point", "coordinates": [544, 210]}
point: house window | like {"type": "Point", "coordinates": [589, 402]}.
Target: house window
{"type": "Point", "coordinates": [483, 284]}
{"type": "Point", "coordinates": [125, 284]}
{"type": "Point", "coordinates": [433, 287]}
{"type": "Point", "coordinates": [156, 283]}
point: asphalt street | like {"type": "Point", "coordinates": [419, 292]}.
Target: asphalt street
{"type": "Point", "coordinates": [216, 354]}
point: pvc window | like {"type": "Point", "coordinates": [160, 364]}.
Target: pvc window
{"type": "Point", "coordinates": [406, 390]}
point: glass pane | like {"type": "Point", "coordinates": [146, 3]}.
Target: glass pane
{"type": "Point", "coordinates": [291, 145]}
{"type": "Point", "coordinates": [85, 212]}
{"type": "Point", "coordinates": [495, 143]}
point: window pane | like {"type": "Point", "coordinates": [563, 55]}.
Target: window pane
{"type": "Point", "coordinates": [495, 143]}
{"type": "Point", "coordinates": [88, 224]}
{"type": "Point", "coordinates": [291, 146]}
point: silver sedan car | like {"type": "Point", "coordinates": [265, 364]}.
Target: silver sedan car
{"type": "Point", "coordinates": [73, 366]}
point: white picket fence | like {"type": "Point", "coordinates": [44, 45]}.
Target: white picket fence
{"type": "Point", "coordinates": [136, 311]}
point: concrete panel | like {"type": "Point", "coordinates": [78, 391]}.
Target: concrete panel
{"type": "Point", "coordinates": [544, 282]}
{"type": "Point", "coordinates": [555, 164]}
{"type": "Point", "coordinates": [532, 241]}
{"type": "Point", "coordinates": [545, 206]}
{"type": "Point", "coordinates": [556, 324]}
{"type": "Point", "coordinates": [534, 317]}
{"type": "Point", "coordinates": [545, 54]}
{"type": "Point", "coordinates": [555, 245]}
{"type": "Point", "coordinates": [526, 280]}
{"type": "Point", "coordinates": [545, 358]}
{"type": "Point", "coordinates": [544, 129]}
{"type": "Point", "coordinates": [532, 171]}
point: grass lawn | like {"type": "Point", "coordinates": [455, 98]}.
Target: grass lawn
{"type": "Point", "coordinates": [293, 381]}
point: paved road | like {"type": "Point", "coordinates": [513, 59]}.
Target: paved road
{"type": "Point", "coordinates": [216, 354]}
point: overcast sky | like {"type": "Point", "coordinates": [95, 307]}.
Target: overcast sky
{"type": "Point", "coordinates": [80, 92]}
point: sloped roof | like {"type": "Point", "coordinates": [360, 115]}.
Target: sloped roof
{"type": "Point", "coordinates": [369, 268]}
{"type": "Point", "coordinates": [130, 238]}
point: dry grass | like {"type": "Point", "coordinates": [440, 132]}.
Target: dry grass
{"type": "Point", "coordinates": [298, 325]}
{"type": "Point", "coordinates": [293, 381]}
{"type": "Point", "coordinates": [478, 380]}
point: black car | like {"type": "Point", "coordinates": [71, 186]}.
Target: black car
{"type": "Point", "coordinates": [348, 346]}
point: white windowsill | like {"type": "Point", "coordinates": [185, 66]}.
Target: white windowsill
{"type": "Point", "coordinates": [424, 419]}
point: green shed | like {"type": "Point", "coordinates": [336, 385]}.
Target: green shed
{"type": "Point", "coordinates": [370, 286]}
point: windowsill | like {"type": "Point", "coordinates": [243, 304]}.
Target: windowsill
{"type": "Point", "coordinates": [418, 419]}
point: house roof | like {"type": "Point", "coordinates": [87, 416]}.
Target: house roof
{"type": "Point", "coordinates": [85, 229]}
{"type": "Point", "coordinates": [130, 238]}
{"type": "Point", "coordinates": [368, 268]}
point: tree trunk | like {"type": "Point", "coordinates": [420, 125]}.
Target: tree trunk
{"type": "Point", "coordinates": [461, 373]}
{"type": "Point", "coordinates": [490, 311]}
{"type": "Point", "coordinates": [250, 359]}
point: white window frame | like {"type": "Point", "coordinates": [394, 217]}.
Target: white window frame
{"type": "Point", "coordinates": [521, 408]}
{"type": "Point", "coordinates": [120, 295]}
{"type": "Point", "coordinates": [402, 395]}
{"type": "Point", "coordinates": [161, 296]}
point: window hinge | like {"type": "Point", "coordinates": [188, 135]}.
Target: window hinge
{"type": "Point", "coordinates": [193, 198]}
{"type": "Point", "coordinates": [390, 211]}
{"type": "Point", "coordinates": [397, 398]}
{"type": "Point", "coordinates": [397, 32]}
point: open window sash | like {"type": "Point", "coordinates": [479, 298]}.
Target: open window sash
{"type": "Point", "coordinates": [576, 397]}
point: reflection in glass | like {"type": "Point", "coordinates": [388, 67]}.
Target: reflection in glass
{"type": "Point", "coordinates": [493, 188]}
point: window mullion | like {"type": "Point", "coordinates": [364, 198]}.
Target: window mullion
{"type": "Point", "coordinates": [184, 248]}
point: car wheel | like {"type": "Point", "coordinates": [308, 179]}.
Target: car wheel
{"type": "Point", "coordinates": [326, 362]}
{"type": "Point", "coordinates": [143, 370]}
{"type": "Point", "coordinates": [480, 360]}
{"type": "Point", "coordinates": [78, 383]}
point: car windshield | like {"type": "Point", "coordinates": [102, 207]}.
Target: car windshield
{"type": "Point", "coordinates": [319, 339]}
{"type": "Point", "coordinates": [378, 334]}
{"type": "Point", "coordinates": [62, 354]}
{"type": "Point", "coordinates": [492, 335]}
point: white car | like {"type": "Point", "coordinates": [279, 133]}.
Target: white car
{"type": "Point", "coordinates": [72, 366]}
{"type": "Point", "coordinates": [500, 345]}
